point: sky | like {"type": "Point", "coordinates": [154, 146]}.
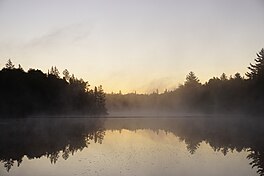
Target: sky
{"type": "Point", "coordinates": [133, 45]}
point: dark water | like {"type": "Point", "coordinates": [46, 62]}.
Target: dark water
{"type": "Point", "coordinates": [132, 146]}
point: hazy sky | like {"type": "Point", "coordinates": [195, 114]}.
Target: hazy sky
{"type": "Point", "coordinates": [133, 45]}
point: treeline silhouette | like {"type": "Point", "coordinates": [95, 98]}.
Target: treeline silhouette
{"type": "Point", "coordinates": [234, 94]}
{"type": "Point", "coordinates": [37, 93]}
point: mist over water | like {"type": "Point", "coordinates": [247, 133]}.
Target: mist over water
{"type": "Point", "coordinates": [192, 73]}
{"type": "Point", "coordinates": [132, 146]}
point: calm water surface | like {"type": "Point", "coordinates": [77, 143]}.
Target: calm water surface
{"type": "Point", "coordinates": [132, 146]}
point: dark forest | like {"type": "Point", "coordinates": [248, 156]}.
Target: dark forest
{"type": "Point", "coordinates": [35, 93]}
{"type": "Point", "coordinates": [225, 95]}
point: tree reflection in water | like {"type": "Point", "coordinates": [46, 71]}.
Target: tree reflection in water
{"type": "Point", "coordinates": [54, 137]}
{"type": "Point", "coordinates": [35, 138]}
{"type": "Point", "coordinates": [224, 134]}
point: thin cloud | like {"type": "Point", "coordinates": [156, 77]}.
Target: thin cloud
{"type": "Point", "coordinates": [68, 35]}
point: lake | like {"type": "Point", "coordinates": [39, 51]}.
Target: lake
{"type": "Point", "coordinates": [136, 146]}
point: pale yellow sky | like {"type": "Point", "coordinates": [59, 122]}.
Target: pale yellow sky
{"type": "Point", "coordinates": [139, 45]}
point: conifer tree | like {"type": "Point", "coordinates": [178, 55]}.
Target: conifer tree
{"type": "Point", "coordinates": [54, 71]}
{"type": "Point", "coordinates": [257, 69]}
{"type": "Point", "coordinates": [192, 80]}
{"type": "Point", "coordinates": [9, 64]}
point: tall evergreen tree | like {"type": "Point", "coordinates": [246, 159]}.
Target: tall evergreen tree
{"type": "Point", "coordinates": [238, 76]}
{"type": "Point", "coordinates": [66, 75]}
{"type": "Point", "coordinates": [223, 77]}
{"type": "Point", "coordinates": [9, 64]}
{"type": "Point", "coordinates": [192, 80]}
{"type": "Point", "coordinates": [54, 71]}
{"type": "Point", "coordinates": [257, 69]}
{"type": "Point", "coordinates": [101, 99]}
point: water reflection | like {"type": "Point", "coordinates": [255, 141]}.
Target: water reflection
{"type": "Point", "coordinates": [56, 138]}
{"type": "Point", "coordinates": [46, 137]}
{"type": "Point", "coordinates": [224, 135]}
